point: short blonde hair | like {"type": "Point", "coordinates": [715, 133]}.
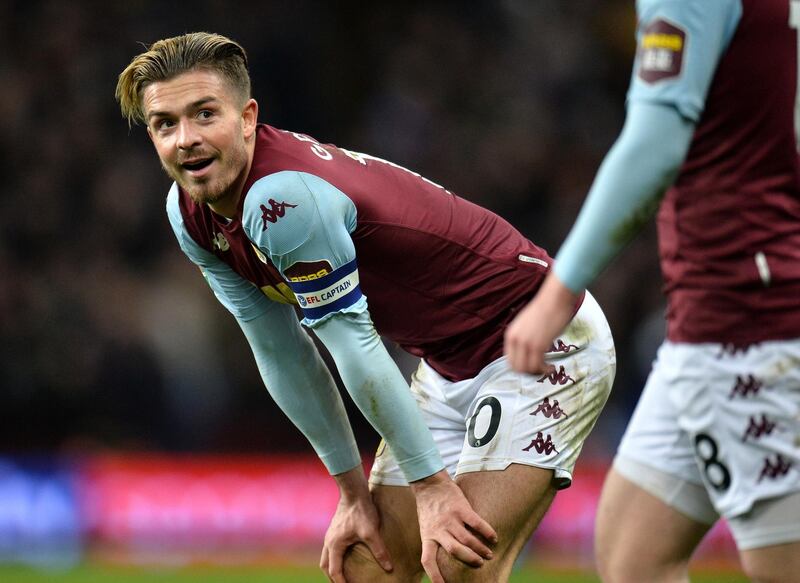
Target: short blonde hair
{"type": "Point", "coordinates": [168, 58]}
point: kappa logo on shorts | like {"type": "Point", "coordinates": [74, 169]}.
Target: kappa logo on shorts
{"type": "Point", "coordinates": [542, 445]}
{"type": "Point", "coordinates": [745, 386]}
{"type": "Point", "coordinates": [559, 346]}
{"type": "Point", "coordinates": [731, 349]}
{"type": "Point", "coordinates": [756, 430]}
{"type": "Point", "coordinates": [775, 470]}
{"type": "Point", "coordinates": [559, 377]}
{"type": "Point", "coordinates": [550, 409]}
{"type": "Point", "coordinates": [277, 210]}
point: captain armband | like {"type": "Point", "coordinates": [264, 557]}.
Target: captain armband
{"type": "Point", "coordinates": [328, 294]}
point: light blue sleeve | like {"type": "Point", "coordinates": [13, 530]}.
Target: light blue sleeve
{"type": "Point", "coordinates": [302, 386]}
{"type": "Point", "coordinates": [680, 43]}
{"type": "Point", "coordinates": [626, 191]}
{"type": "Point", "coordinates": [295, 217]}
{"type": "Point", "coordinates": [290, 366]}
{"type": "Point", "coordinates": [242, 298]}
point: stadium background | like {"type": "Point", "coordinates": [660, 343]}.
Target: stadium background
{"type": "Point", "coordinates": [121, 373]}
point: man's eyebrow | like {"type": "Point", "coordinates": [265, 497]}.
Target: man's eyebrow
{"type": "Point", "coordinates": [194, 105]}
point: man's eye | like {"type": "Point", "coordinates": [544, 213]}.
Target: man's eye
{"type": "Point", "coordinates": [205, 114]}
{"type": "Point", "coordinates": [164, 124]}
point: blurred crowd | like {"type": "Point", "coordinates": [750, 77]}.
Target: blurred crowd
{"type": "Point", "coordinates": [111, 339]}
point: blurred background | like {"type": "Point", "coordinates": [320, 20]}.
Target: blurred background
{"type": "Point", "coordinates": [117, 362]}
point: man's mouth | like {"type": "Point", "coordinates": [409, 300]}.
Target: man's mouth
{"type": "Point", "coordinates": [197, 165]}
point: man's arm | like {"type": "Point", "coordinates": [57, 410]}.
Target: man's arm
{"type": "Point", "coordinates": [290, 366]}
{"type": "Point", "coordinates": [680, 46]}
{"type": "Point", "coordinates": [310, 244]}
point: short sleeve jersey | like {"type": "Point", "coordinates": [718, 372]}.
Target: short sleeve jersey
{"type": "Point", "coordinates": [729, 228]}
{"type": "Point", "coordinates": [332, 229]}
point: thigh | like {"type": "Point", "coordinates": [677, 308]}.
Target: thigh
{"type": "Point", "coordinates": [768, 537]}
{"type": "Point", "coordinates": [400, 531]}
{"type": "Point", "coordinates": [639, 535]}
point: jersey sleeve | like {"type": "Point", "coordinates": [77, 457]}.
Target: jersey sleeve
{"type": "Point", "coordinates": [290, 366]}
{"type": "Point", "coordinates": [241, 298]}
{"type": "Point", "coordinates": [679, 44]}
{"type": "Point", "coordinates": [303, 224]}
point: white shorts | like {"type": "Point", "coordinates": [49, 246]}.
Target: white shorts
{"type": "Point", "coordinates": [728, 421]}
{"type": "Point", "coordinates": [502, 417]}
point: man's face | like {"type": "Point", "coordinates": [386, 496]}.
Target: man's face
{"type": "Point", "coordinates": [200, 128]}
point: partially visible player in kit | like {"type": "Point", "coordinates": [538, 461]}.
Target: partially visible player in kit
{"type": "Point", "coordinates": [712, 110]}
{"type": "Point", "coordinates": [274, 215]}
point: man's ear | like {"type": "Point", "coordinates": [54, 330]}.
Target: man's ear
{"type": "Point", "coordinates": [249, 118]}
{"type": "Point", "coordinates": [149, 132]}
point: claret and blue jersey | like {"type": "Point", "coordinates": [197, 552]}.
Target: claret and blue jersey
{"type": "Point", "coordinates": [711, 127]}
{"type": "Point", "coordinates": [329, 229]}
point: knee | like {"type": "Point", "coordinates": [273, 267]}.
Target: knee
{"type": "Point", "coordinates": [621, 567]}
{"type": "Point", "coordinates": [360, 566]}
{"type": "Point", "coordinates": [492, 571]}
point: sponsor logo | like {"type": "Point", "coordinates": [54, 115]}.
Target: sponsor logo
{"type": "Point", "coordinates": [559, 377]}
{"type": "Point", "coordinates": [550, 409]}
{"type": "Point", "coordinates": [745, 386]}
{"type": "Point", "coordinates": [775, 470]}
{"type": "Point", "coordinates": [542, 445]}
{"type": "Point", "coordinates": [661, 51]}
{"type": "Point", "coordinates": [276, 211]}
{"type": "Point", "coordinates": [756, 429]}
{"type": "Point", "coordinates": [220, 243]}
{"type": "Point", "coordinates": [311, 276]}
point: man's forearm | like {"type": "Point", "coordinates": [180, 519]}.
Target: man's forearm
{"type": "Point", "coordinates": [381, 393]}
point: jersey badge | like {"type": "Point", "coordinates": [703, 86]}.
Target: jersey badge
{"type": "Point", "coordinates": [275, 211]}
{"type": "Point", "coordinates": [220, 243]}
{"type": "Point", "coordinates": [660, 51]}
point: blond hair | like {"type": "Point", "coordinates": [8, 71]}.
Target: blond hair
{"type": "Point", "coordinates": [168, 58]}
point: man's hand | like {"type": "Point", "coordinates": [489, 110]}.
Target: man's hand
{"type": "Point", "coordinates": [532, 331]}
{"type": "Point", "coordinates": [447, 520]}
{"type": "Point", "coordinates": [356, 520]}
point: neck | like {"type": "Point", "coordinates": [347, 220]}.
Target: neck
{"type": "Point", "coordinates": [228, 205]}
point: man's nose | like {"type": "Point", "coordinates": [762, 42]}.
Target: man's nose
{"type": "Point", "coordinates": [188, 136]}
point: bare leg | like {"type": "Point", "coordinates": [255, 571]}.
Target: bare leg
{"type": "Point", "coordinates": [774, 564]}
{"type": "Point", "coordinates": [513, 501]}
{"type": "Point", "coordinates": [400, 532]}
{"type": "Point", "coordinates": [640, 538]}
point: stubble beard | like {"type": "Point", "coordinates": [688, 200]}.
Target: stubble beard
{"type": "Point", "coordinates": [212, 190]}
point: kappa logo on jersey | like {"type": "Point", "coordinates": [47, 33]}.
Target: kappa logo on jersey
{"type": "Point", "coordinates": [220, 243]}
{"type": "Point", "coordinates": [661, 51]}
{"type": "Point", "coordinates": [276, 211]}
